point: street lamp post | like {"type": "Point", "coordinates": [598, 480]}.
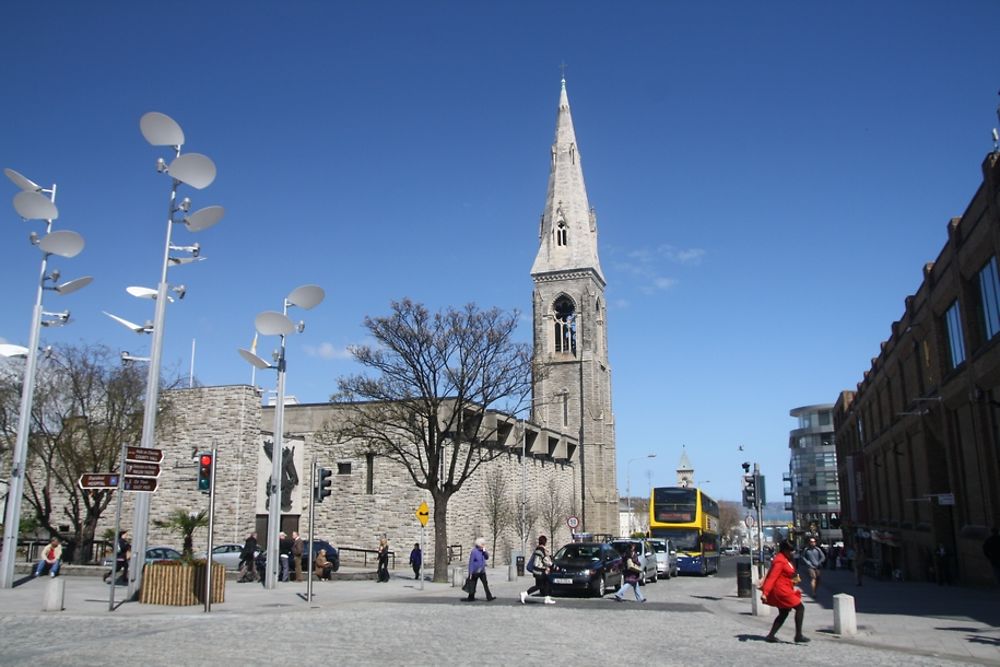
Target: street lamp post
{"type": "Point", "coordinates": [273, 323]}
{"type": "Point", "coordinates": [628, 488]}
{"type": "Point", "coordinates": [197, 171]}
{"type": "Point", "coordinates": [32, 204]}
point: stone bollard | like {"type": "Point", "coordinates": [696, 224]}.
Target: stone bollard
{"type": "Point", "coordinates": [457, 576]}
{"type": "Point", "coordinates": [757, 608]}
{"type": "Point", "coordinates": [845, 620]}
{"type": "Point", "coordinates": [512, 572]}
{"type": "Point", "coordinates": [55, 594]}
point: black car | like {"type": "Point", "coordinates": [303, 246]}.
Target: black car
{"type": "Point", "coordinates": [594, 567]}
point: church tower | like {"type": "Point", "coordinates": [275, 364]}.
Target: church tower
{"type": "Point", "coordinates": [572, 385]}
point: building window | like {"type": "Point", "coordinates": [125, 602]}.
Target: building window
{"type": "Point", "coordinates": [989, 292]}
{"type": "Point", "coordinates": [565, 328]}
{"type": "Point", "coordinates": [344, 468]}
{"type": "Point", "coordinates": [956, 344]}
{"type": "Point", "coordinates": [561, 233]}
{"type": "Point", "coordinates": [370, 473]}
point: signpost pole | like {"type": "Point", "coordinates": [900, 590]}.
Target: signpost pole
{"type": "Point", "coordinates": [118, 525]}
{"type": "Point", "coordinates": [423, 541]}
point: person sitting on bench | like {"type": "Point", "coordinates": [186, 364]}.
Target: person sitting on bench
{"type": "Point", "coordinates": [51, 558]}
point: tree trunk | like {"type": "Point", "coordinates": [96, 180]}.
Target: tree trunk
{"type": "Point", "coordinates": [440, 537]}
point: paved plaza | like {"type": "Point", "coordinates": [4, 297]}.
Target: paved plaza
{"type": "Point", "coordinates": [687, 621]}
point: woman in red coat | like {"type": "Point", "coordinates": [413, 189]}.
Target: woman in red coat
{"type": "Point", "coordinates": [778, 590]}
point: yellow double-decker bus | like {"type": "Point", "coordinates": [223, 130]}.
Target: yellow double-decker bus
{"type": "Point", "coordinates": [690, 519]}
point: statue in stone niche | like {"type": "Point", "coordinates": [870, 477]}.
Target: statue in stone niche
{"type": "Point", "coordinates": [289, 476]}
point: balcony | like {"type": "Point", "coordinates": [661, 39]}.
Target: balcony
{"type": "Point", "coordinates": [789, 507]}
{"type": "Point", "coordinates": [786, 477]}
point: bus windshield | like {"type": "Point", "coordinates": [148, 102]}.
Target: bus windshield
{"type": "Point", "coordinates": [685, 539]}
{"type": "Point", "coordinates": [674, 505]}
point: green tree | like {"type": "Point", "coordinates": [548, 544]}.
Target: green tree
{"type": "Point", "coordinates": [429, 398]}
{"type": "Point", "coordinates": [184, 523]}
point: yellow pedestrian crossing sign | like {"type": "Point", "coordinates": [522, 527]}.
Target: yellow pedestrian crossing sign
{"type": "Point", "coordinates": [423, 513]}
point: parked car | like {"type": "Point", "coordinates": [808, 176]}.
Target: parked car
{"type": "Point", "coordinates": [666, 556]}
{"type": "Point", "coordinates": [227, 554]}
{"type": "Point", "coordinates": [594, 567]}
{"type": "Point", "coordinates": [647, 556]}
{"type": "Point", "coordinates": [156, 554]}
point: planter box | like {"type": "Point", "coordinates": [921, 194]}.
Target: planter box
{"type": "Point", "coordinates": [181, 584]}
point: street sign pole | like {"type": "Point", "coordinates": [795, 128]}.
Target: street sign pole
{"type": "Point", "coordinates": [118, 526]}
{"type": "Point", "coordinates": [423, 556]}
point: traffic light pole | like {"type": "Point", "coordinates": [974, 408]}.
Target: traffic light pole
{"type": "Point", "coordinates": [760, 518]}
{"type": "Point", "coordinates": [312, 522]}
{"type": "Point", "coordinates": [211, 526]}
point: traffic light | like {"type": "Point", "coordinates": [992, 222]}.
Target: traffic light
{"type": "Point", "coordinates": [323, 484]}
{"type": "Point", "coordinates": [205, 461]}
{"type": "Point", "coordinates": [749, 491]}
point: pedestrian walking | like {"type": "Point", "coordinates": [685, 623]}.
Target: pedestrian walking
{"type": "Point", "coordinates": [477, 571]}
{"type": "Point", "coordinates": [123, 552]}
{"type": "Point", "coordinates": [51, 558]}
{"type": "Point", "coordinates": [284, 554]}
{"type": "Point", "coordinates": [814, 558]}
{"type": "Point", "coordinates": [383, 560]}
{"type": "Point", "coordinates": [297, 551]}
{"type": "Point", "coordinates": [991, 549]}
{"type": "Point", "coordinates": [248, 557]}
{"type": "Point", "coordinates": [633, 573]}
{"type": "Point", "coordinates": [779, 590]}
{"type": "Point", "coordinates": [540, 565]}
{"type": "Point", "coordinates": [416, 557]}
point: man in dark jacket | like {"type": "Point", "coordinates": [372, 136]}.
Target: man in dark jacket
{"type": "Point", "coordinates": [248, 556]}
{"type": "Point", "coordinates": [297, 551]}
{"type": "Point", "coordinates": [284, 553]}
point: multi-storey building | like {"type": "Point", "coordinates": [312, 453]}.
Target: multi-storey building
{"type": "Point", "coordinates": [812, 474]}
{"type": "Point", "coordinates": [917, 443]}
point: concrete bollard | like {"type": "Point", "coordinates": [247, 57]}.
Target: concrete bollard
{"type": "Point", "coordinates": [757, 608]}
{"type": "Point", "coordinates": [55, 594]}
{"type": "Point", "coordinates": [457, 577]}
{"type": "Point", "coordinates": [845, 620]}
{"type": "Point", "coordinates": [512, 572]}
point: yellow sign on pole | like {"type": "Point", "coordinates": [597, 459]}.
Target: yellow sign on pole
{"type": "Point", "coordinates": [423, 513]}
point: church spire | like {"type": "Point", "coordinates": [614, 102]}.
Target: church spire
{"type": "Point", "coordinates": [568, 231]}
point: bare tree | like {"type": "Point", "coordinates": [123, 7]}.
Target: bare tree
{"type": "Point", "coordinates": [525, 523]}
{"type": "Point", "coordinates": [86, 406]}
{"type": "Point", "coordinates": [496, 504]}
{"type": "Point", "coordinates": [729, 516]}
{"type": "Point", "coordinates": [553, 510]}
{"type": "Point", "coordinates": [428, 401]}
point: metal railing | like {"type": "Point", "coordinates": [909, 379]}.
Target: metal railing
{"type": "Point", "coordinates": [365, 553]}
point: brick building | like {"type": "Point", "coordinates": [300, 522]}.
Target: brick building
{"type": "Point", "coordinates": [917, 442]}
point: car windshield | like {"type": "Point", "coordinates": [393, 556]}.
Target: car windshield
{"type": "Point", "coordinates": [659, 547]}
{"type": "Point", "coordinates": [579, 552]}
{"type": "Point", "coordinates": [623, 547]}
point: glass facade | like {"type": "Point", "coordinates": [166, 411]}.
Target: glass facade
{"type": "Point", "coordinates": [813, 482]}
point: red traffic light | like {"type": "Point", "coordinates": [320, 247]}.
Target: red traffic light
{"type": "Point", "coordinates": [206, 459]}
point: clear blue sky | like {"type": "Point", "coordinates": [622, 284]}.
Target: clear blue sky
{"type": "Point", "coordinates": [769, 180]}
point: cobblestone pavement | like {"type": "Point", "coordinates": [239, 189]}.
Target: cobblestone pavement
{"type": "Point", "coordinates": [687, 621]}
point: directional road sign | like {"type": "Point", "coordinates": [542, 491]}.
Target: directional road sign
{"type": "Point", "coordinates": [141, 469]}
{"type": "Point", "coordinates": [423, 513]}
{"type": "Point", "coordinates": [143, 484]}
{"type": "Point", "coordinates": [143, 454]}
{"type": "Point", "coordinates": [98, 480]}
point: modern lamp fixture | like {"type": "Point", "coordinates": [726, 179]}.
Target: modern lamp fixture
{"type": "Point", "coordinates": [31, 203]}
{"type": "Point", "coordinates": [272, 323]}
{"type": "Point", "coordinates": [197, 171]}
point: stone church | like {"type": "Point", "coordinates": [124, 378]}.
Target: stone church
{"type": "Point", "coordinates": [568, 440]}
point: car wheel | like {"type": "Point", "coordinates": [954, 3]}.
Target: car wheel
{"type": "Point", "coordinates": [599, 587]}
{"type": "Point", "coordinates": [666, 573]}
{"type": "Point", "coordinates": [656, 576]}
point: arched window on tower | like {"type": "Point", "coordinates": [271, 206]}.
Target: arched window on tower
{"type": "Point", "coordinates": [561, 233]}
{"type": "Point", "coordinates": [565, 331]}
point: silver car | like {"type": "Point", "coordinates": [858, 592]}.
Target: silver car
{"type": "Point", "coordinates": [647, 556]}
{"type": "Point", "coordinates": [666, 556]}
{"type": "Point", "coordinates": [226, 554]}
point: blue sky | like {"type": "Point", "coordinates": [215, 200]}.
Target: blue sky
{"type": "Point", "coordinates": [769, 180]}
